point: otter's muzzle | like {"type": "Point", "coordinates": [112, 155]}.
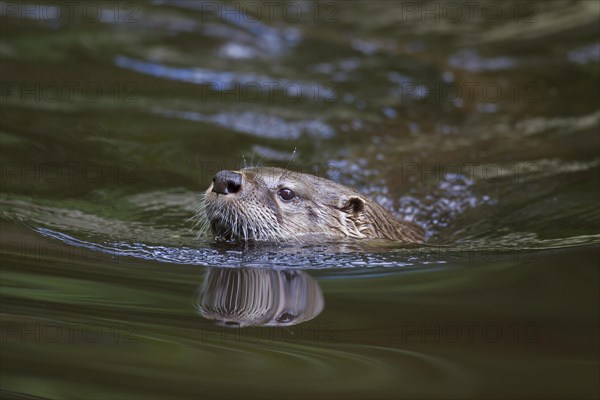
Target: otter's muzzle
{"type": "Point", "coordinates": [226, 182]}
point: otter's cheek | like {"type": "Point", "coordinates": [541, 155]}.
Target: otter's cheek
{"type": "Point", "coordinates": [294, 221]}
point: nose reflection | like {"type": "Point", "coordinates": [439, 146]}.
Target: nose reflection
{"type": "Point", "coordinates": [236, 297]}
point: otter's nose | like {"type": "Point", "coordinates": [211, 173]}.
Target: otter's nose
{"type": "Point", "coordinates": [226, 182]}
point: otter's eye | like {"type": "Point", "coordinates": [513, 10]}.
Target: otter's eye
{"type": "Point", "coordinates": [286, 317]}
{"type": "Point", "coordinates": [286, 194]}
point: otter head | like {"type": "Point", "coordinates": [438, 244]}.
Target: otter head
{"type": "Point", "coordinates": [275, 204]}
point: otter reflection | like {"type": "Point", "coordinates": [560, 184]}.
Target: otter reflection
{"type": "Point", "coordinates": [259, 297]}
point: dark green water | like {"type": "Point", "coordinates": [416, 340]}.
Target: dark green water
{"type": "Point", "coordinates": [482, 126]}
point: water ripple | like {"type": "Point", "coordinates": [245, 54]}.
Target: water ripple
{"type": "Point", "coordinates": [224, 80]}
{"type": "Point", "coordinates": [255, 124]}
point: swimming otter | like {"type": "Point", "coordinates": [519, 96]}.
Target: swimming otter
{"type": "Point", "coordinates": [274, 204]}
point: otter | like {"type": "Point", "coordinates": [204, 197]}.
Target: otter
{"type": "Point", "coordinates": [275, 204]}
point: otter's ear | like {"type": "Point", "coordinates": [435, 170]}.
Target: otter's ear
{"type": "Point", "coordinates": [353, 205]}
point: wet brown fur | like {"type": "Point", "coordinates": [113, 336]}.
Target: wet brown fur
{"type": "Point", "coordinates": [321, 208]}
